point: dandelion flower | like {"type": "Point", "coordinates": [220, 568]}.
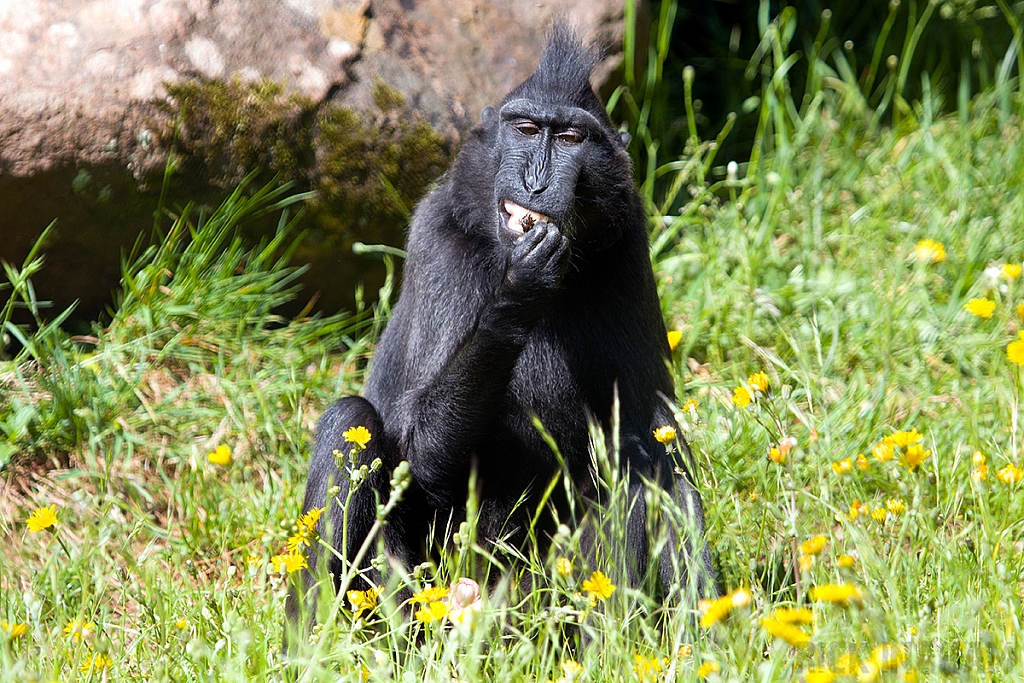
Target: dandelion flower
{"type": "Point", "coordinates": [42, 518]}
{"type": "Point", "coordinates": [895, 506]}
{"type": "Point", "coordinates": [912, 456]}
{"type": "Point", "coordinates": [363, 601]}
{"type": "Point", "coordinates": [79, 630]}
{"type": "Point", "coordinates": [883, 451]}
{"type": "Point", "coordinates": [685, 652]}
{"type": "Point", "coordinates": [819, 675]}
{"type": "Point", "coordinates": [857, 509]}
{"type": "Point", "coordinates": [309, 520]}
{"type": "Point", "coordinates": [862, 462]}
{"type": "Point", "coordinates": [844, 466]}
{"type": "Point", "coordinates": [97, 662]}
{"type": "Point", "coordinates": [1015, 350]}
{"type": "Point", "coordinates": [286, 563]}
{"type": "Point", "coordinates": [983, 308]}
{"type": "Point", "coordinates": [220, 456]}
{"type": "Point", "coordinates": [867, 672]}
{"type": "Point", "coordinates": [13, 630]}
{"type": "Point", "coordinates": [776, 455]}
{"type": "Point", "coordinates": [665, 434]}
{"type": "Point", "coordinates": [716, 610]}
{"type": "Point", "coordinates": [647, 668]}
{"type": "Point", "coordinates": [837, 593]}
{"type": "Point", "coordinates": [846, 665]}
{"type": "Point", "coordinates": [1020, 309]}
{"type": "Point", "coordinates": [599, 586]}
{"type": "Point", "coordinates": [1010, 271]}
{"type": "Point", "coordinates": [298, 541]}
{"type": "Point", "coordinates": [793, 615]}
{"type": "Point", "coordinates": [690, 406]}
{"type": "Point", "coordinates": [980, 471]}
{"type": "Point", "coordinates": [741, 397]}
{"type": "Point", "coordinates": [902, 439]}
{"type": "Point", "coordinates": [846, 561]}
{"type": "Point", "coordinates": [360, 436]}
{"type": "Point", "coordinates": [430, 594]}
{"type": "Point", "coordinates": [758, 382]}
{"type": "Point", "coordinates": [794, 635]}
{"type": "Point", "coordinates": [806, 563]}
{"type": "Point", "coordinates": [813, 546]}
{"type": "Point", "coordinates": [888, 656]}
{"type": "Point", "coordinates": [181, 624]}
{"type": "Point", "coordinates": [1011, 474]}
{"type": "Point", "coordinates": [431, 612]}
{"type": "Point", "coordinates": [880, 515]}
{"type": "Point", "coordinates": [708, 668]}
{"type": "Point", "coordinates": [930, 251]}
{"type": "Point", "coordinates": [674, 337]}
{"type": "Point", "coordinates": [563, 566]}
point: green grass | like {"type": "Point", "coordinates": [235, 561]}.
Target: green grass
{"type": "Point", "coordinates": [799, 264]}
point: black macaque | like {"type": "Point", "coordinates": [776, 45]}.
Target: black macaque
{"type": "Point", "coordinates": [528, 291]}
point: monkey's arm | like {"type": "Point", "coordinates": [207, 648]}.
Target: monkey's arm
{"type": "Point", "coordinates": [445, 413]}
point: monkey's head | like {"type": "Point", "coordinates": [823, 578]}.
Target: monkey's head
{"type": "Point", "coordinates": [554, 154]}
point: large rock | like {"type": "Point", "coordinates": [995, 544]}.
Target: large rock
{"type": "Point", "coordinates": [79, 80]}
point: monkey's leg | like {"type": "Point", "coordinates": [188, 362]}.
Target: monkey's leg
{"type": "Point", "coordinates": [685, 561]}
{"type": "Point", "coordinates": [350, 508]}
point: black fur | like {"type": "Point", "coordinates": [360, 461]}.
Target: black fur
{"type": "Point", "coordinates": [493, 328]}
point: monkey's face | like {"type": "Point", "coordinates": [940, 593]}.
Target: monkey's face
{"type": "Point", "coordinates": [548, 160]}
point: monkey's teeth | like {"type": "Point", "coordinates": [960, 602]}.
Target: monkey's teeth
{"type": "Point", "coordinates": [519, 217]}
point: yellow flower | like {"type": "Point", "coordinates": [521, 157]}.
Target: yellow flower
{"type": "Point", "coordinates": [912, 456]}
{"type": "Point", "coordinates": [883, 451]}
{"type": "Point", "coordinates": [97, 662]}
{"type": "Point", "coordinates": [846, 561]}
{"type": "Point", "coordinates": [902, 439]}
{"type": "Point", "coordinates": [896, 506]}
{"type": "Point", "coordinates": [838, 593]}
{"type": "Point", "coordinates": [708, 668]}
{"type": "Point", "coordinates": [1020, 309]}
{"type": "Point", "coordinates": [430, 594]}
{"type": "Point", "coordinates": [741, 397]}
{"type": "Point", "coordinates": [674, 337]}
{"type": "Point", "coordinates": [1015, 350]}
{"type": "Point", "coordinates": [794, 635]}
{"type": "Point", "coordinates": [846, 665]}
{"type": "Point", "coordinates": [309, 520]}
{"type": "Point", "coordinates": [867, 672]}
{"type": "Point", "coordinates": [793, 615]}
{"type": "Point", "coordinates": [879, 515]}
{"type": "Point", "coordinates": [571, 667]}
{"type": "Point", "coordinates": [819, 675]}
{"type": "Point", "coordinates": [298, 541]}
{"type": "Point", "coordinates": [776, 455]}
{"type": "Point", "coordinates": [563, 566]}
{"type": "Point", "coordinates": [910, 676]}
{"type": "Point", "coordinates": [1010, 271]}
{"type": "Point", "coordinates": [980, 472]}
{"type": "Point", "coordinates": [647, 667]}
{"type": "Point", "coordinates": [221, 456]}
{"type": "Point", "coordinates": [360, 436]}
{"type": "Point", "coordinates": [857, 509]}
{"type": "Point", "coordinates": [363, 601]}
{"type": "Point", "coordinates": [181, 624]}
{"type": "Point", "coordinates": [862, 462]}
{"type": "Point", "coordinates": [888, 656]}
{"type": "Point", "coordinates": [844, 466]}
{"type": "Point", "coordinates": [716, 610]}
{"type": "Point", "coordinates": [14, 630]}
{"type": "Point", "coordinates": [690, 406]}
{"type": "Point", "coordinates": [806, 562]}
{"type": "Point", "coordinates": [431, 612]}
{"type": "Point", "coordinates": [42, 518]}
{"type": "Point", "coordinates": [930, 251]}
{"type": "Point", "coordinates": [1011, 474]}
{"type": "Point", "coordinates": [288, 562]}
{"type": "Point", "coordinates": [665, 435]}
{"type": "Point", "coordinates": [758, 382]}
{"type": "Point", "coordinates": [813, 546]}
{"type": "Point", "coordinates": [983, 308]}
{"type": "Point", "coordinates": [79, 630]}
{"type": "Point", "coordinates": [685, 652]}
{"type": "Point", "coordinates": [599, 586]}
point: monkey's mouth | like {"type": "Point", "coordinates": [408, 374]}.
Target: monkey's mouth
{"type": "Point", "coordinates": [519, 219]}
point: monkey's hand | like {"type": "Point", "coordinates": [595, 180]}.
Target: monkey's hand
{"type": "Point", "coordinates": [536, 269]}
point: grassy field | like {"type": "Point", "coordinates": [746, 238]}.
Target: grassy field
{"type": "Point", "coordinates": [864, 494]}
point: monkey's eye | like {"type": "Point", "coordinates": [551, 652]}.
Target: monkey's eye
{"type": "Point", "coordinates": [570, 136]}
{"type": "Point", "coordinates": [527, 128]}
